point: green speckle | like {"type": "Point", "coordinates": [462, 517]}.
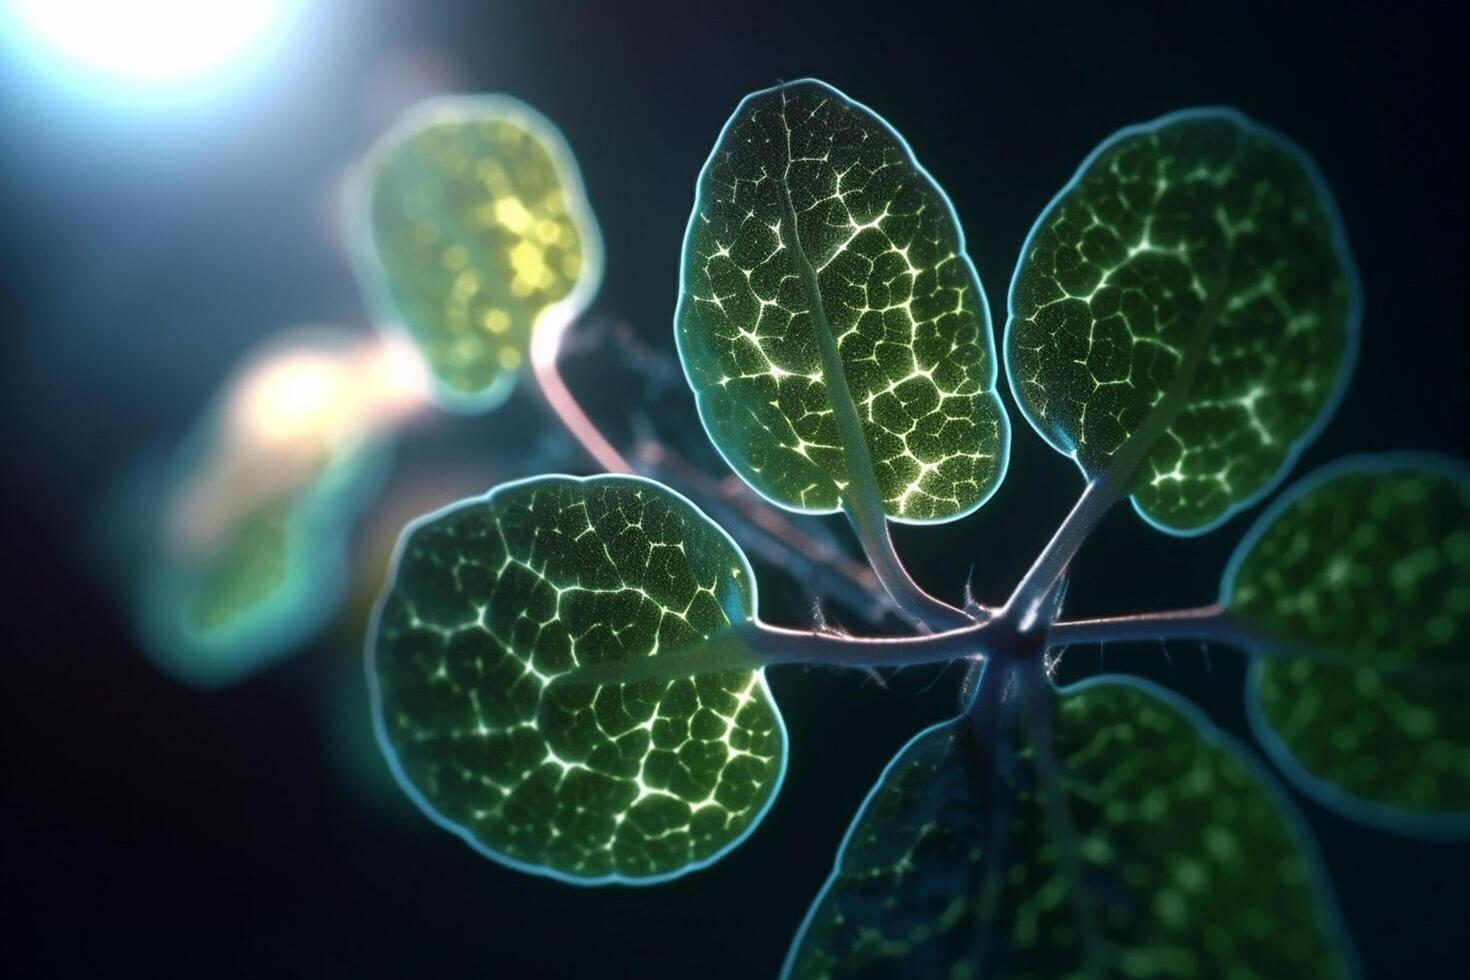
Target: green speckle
{"type": "Point", "coordinates": [1170, 896]}
{"type": "Point", "coordinates": [497, 610]}
{"type": "Point", "coordinates": [478, 226]}
{"type": "Point", "coordinates": [898, 296]}
{"type": "Point", "coordinates": [1367, 686]}
{"type": "Point", "coordinates": [1190, 269]}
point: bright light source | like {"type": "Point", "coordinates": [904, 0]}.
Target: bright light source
{"type": "Point", "coordinates": [152, 44]}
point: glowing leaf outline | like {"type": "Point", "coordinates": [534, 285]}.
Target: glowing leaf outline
{"type": "Point", "coordinates": [1383, 816]}
{"type": "Point", "coordinates": [368, 268]}
{"type": "Point", "coordinates": [1352, 322]}
{"type": "Point", "coordinates": [1329, 912]}
{"type": "Point", "coordinates": [986, 329]}
{"type": "Point", "coordinates": [390, 753]}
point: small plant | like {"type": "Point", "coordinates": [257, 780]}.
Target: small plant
{"type": "Point", "coordinates": [570, 673]}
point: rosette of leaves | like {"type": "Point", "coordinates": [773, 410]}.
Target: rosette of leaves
{"type": "Point", "coordinates": [569, 674]}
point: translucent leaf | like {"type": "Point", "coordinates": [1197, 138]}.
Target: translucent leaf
{"type": "Point", "coordinates": [247, 553]}
{"type": "Point", "coordinates": [272, 582]}
{"type": "Point", "coordinates": [512, 697]}
{"type": "Point", "coordinates": [1189, 296]}
{"type": "Point", "coordinates": [1363, 573]}
{"type": "Point", "coordinates": [476, 228]}
{"type": "Point", "coordinates": [1184, 861]}
{"type": "Point", "coordinates": [829, 320]}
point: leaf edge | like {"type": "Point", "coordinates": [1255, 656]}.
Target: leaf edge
{"type": "Point", "coordinates": [1353, 324]}
{"type": "Point", "coordinates": [390, 753]}
{"type": "Point", "coordinates": [355, 229]}
{"type": "Point", "coordinates": [1319, 789]}
{"type": "Point", "coordinates": [1334, 925]}
{"type": "Point", "coordinates": [988, 332]}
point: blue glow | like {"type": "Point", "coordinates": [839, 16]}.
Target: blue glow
{"type": "Point", "coordinates": [318, 535]}
{"type": "Point", "coordinates": [306, 423]}
{"type": "Point", "coordinates": [146, 50]}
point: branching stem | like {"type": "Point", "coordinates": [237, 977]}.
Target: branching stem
{"type": "Point", "coordinates": [1099, 495]}
{"type": "Point", "coordinates": [1115, 481]}
{"type": "Point", "coordinates": [753, 645]}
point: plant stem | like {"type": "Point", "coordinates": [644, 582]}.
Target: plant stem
{"type": "Point", "coordinates": [545, 349]}
{"type": "Point", "coordinates": [861, 497]}
{"type": "Point", "coordinates": [1207, 623]}
{"type": "Point", "coordinates": [1116, 480]}
{"type": "Point", "coordinates": [1033, 684]}
{"type": "Point", "coordinates": [823, 565]}
{"type": "Point", "coordinates": [770, 534]}
{"type": "Point", "coordinates": [921, 607]}
{"type": "Point", "coordinates": [987, 698]}
{"type": "Point", "coordinates": [776, 645]}
{"type": "Point", "coordinates": [1098, 496]}
{"type": "Point", "coordinates": [984, 712]}
{"type": "Point", "coordinates": [753, 645]}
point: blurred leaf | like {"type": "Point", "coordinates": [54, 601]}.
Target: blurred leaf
{"type": "Point", "coordinates": [1189, 296]}
{"type": "Point", "coordinates": [1185, 863]}
{"type": "Point", "coordinates": [829, 320]}
{"type": "Point", "coordinates": [477, 227]}
{"type": "Point", "coordinates": [499, 658]}
{"type": "Point", "coordinates": [1363, 572]}
{"type": "Point", "coordinates": [252, 565]}
{"type": "Point", "coordinates": [247, 529]}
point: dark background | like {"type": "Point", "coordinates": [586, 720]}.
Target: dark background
{"type": "Point", "coordinates": [150, 829]}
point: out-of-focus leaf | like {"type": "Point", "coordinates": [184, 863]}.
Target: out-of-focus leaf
{"type": "Point", "coordinates": [476, 228]}
{"type": "Point", "coordinates": [1184, 862]}
{"type": "Point", "coordinates": [1361, 573]}
{"type": "Point", "coordinates": [249, 529]}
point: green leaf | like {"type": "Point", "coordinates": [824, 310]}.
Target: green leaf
{"type": "Point", "coordinates": [253, 565]}
{"type": "Point", "coordinates": [1188, 863]}
{"type": "Point", "coordinates": [210, 621]}
{"type": "Point", "coordinates": [1361, 573]}
{"type": "Point", "coordinates": [248, 528]}
{"type": "Point", "coordinates": [1185, 310]}
{"type": "Point", "coordinates": [476, 229]}
{"type": "Point", "coordinates": [513, 700]}
{"type": "Point", "coordinates": [830, 323]}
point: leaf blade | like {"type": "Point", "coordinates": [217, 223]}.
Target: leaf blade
{"type": "Point", "coordinates": [1233, 231]}
{"type": "Point", "coordinates": [1368, 562]}
{"type": "Point", "coordinates": [753, 337]}
{"type": "Point", "coordinates": [913, 894]}
{"type": "Point", "coordinates": [589, 783]}
{"type": "Point", "coordinates": [472, 226]}
{"type": "Point", "coordinates": [250, 524]}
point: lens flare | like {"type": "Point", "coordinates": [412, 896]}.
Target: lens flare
{"type": "Point", "coordinates": [120, 46]}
